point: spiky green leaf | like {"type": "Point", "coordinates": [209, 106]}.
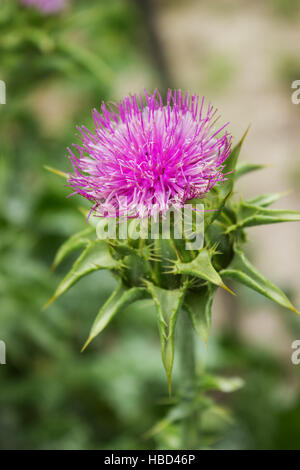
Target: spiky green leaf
{"type": "Point", "coordinates": [215, 210]}
{"type": "Point", "coordinates": [119, 300]}
{"type": "Point", "coordinates": [198, 304]}
{"type": "Point", "coordinates": [230, 167]}
{"type": "Point", "coordinates": [200, 267]}
{"type": "Point", "coordinates": [167, 304]}
{"type": "Point", "coordinates": [265, 200]}
{"type": "Point", "coordinates": [79, 240]}
{"type": "Point", "coordinates": [96, 256]}
{"type": "Point", "coordinates": [241, 270]}
{"type": "Point", "coordinates": [249, 215]}
{"type": "Point", "coordinates": [245, 168]}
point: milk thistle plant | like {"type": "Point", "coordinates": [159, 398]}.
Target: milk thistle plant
{"type": "Point", "coordinates": [159, 156]}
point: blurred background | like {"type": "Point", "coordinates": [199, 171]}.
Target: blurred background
{"type": "Point", "coordinates": [243, 56]}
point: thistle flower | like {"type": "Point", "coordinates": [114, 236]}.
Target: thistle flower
{"type": "Point", "coordinates": [150, 155]}
{"type": "Point", "coordinates": [45, 6]}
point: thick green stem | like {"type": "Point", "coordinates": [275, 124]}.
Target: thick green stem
{"type": "Point", "coordinates": [190, 431]}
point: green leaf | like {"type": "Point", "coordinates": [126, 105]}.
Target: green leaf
{"type": "Point", "coordinates": [230, 166]}
{"type": "Point", "coordinates": [222, 384]}
{"type": "Point", "coordinates": [96, 256]}
{"type": "Point", "coordinates": [245, 168]}
{"type": "Point", "coordinates": [167, 304]}
{"type": "Point", "coordinates": [200, 267]}
{"type": "Point", "coordinates": [243, 271]}
{"type": "Point", "coordinates": [249, 215]}
{"type": "Point", "coordinates": [176, 413]}
{"type": "Point", "coordinates": [215, 236]}
{"type": "Point", "coordinates": [214, 214]}
{"type": "Point", "coordinates": [75, 242]}
{"type": "Point", "coordinates": [198, 304]}
{"type": "Point", "coordinates": [266, 200]}
{"type": "Point", "coordinates": [136, 269]}
{"type": "Point", "coordinates": [120, 298]}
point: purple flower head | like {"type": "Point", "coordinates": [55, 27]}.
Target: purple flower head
{"type": "Point", "coordinates": [45, 6]}
{"type": "Point", "coordinates": [149, 155]}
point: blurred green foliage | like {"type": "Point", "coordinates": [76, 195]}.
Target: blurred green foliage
{"type": "Point", "coordinates": [285, 8]}
{"type": "Point", "coordinates": [288, 69]}
{"type": "Point", "coordinates": [51, 396]}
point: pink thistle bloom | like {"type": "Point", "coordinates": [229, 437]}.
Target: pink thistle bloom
{"type": "Point", "coordinates": [152, 156]}
{"type": "Point", "coordinates": [45, 6]}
